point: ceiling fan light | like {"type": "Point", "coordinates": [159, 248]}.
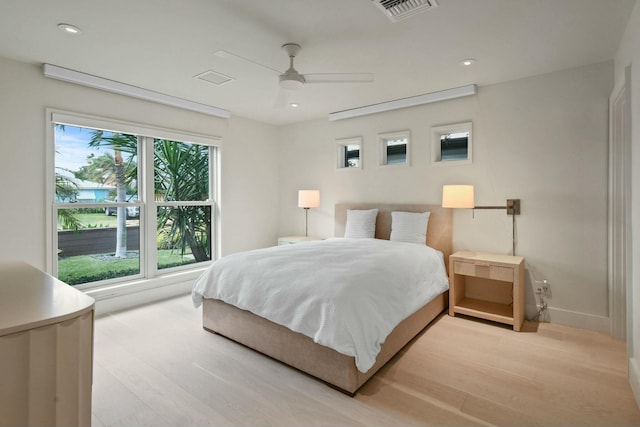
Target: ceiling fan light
{"type": "Point", "coordinates": [291, 81]}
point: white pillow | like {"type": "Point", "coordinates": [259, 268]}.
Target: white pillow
{"type": "Point", "coordinates": [361, 224]}
{"type": "Point", "coordinates": [409, 227]}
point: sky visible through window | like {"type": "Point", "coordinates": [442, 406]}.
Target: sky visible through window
{"type": "Point", "coordinates": [72, 147]}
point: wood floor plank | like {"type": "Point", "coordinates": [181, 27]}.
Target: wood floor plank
{"type": "Point", "coordinates": [155, 365]}
{"type": "Point", "coordinates": [166, 398]}
{"type": "Point", "coordinates": [407, 404]}
{"type": "Point", "coordinates": [112, 401]}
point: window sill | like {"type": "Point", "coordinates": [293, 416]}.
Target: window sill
{"type": "Point", "coordinates": [451, 162]}
{"type": "Point", "coordinates": [138, 292]}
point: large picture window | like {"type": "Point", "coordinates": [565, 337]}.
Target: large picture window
{"type": "Point", "coordinates": [129, 202]}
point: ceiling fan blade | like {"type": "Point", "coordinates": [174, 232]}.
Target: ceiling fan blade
{"type": "Point", "coordinates": [338, 78]}
{"type": "Point", "coordinates": [225, 54]}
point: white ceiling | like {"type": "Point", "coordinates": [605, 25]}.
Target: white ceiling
{"type": "Point", "coordinates": [162, 44]}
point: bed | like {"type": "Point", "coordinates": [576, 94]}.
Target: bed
{"type": "Point", "coordinates": [299, 350]}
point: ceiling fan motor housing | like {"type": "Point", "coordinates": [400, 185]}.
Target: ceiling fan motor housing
{"type": "Point", "coordinates": [291, 81]}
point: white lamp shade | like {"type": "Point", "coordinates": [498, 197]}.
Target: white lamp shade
{"type": "Point", "coordinates": [308, 198]}
{"type": "Point", "coordinates": [458, 196]}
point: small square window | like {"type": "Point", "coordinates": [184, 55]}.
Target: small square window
{"type": "Point", "coordinates": [394, 148]}
{"type": "Point", "coordinates": [350, 153]}
{"type": "Point", "coordinates": [451, 144]}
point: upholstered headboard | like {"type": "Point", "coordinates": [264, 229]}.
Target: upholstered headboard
{"type": "Point", "coordinates": [439, 231]}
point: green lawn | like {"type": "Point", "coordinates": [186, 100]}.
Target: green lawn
{"type": "Point", "coordinates": [94, 220]}
{"type": "Point", "coordinates": [80, 269]}
{"type": "Point", "coordinates": [91, 220]}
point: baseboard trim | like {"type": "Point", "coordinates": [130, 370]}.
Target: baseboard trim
{"type": "Point", "coordinates": [634, 378]}
{"type": "Point", "coordinates": [575, 319]}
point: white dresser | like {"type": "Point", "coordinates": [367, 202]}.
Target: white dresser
{"type": "Point", "coordinates": [46, 350]}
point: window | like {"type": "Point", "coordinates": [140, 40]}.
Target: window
{"type": "Point", "coordinates": [181, 190]}
{"type": "Point", "coordinates": [129, 202]}
{"type": "Point", "coordinates": [394, 148]}
{"type": "Point", "coordinates": [451, 144]}
{"type": "Point", "coordinates": [350, 153]}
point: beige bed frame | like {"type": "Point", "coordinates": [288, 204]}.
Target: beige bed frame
{"type": "Point", "coordinates": [299, 351]}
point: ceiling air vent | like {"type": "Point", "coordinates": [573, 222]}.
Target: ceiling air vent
{"type": "Point", "coordinates": [397, 10]}
{"type": "Point", "coordinates": [213, 77]}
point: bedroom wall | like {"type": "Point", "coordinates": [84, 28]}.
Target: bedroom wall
{"type": "Point", "coordinates": [541, 139]}
{"type": "Point", "coordinates": [629, 55]}
{"type": "Point", "coordinates": [248, 154]}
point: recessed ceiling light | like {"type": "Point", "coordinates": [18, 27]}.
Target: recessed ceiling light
{"type": "Point", "coordinates": [69, 29]}
{"type": "Point", "coordinates": [294, 105]}
{"type": "Point", "coordinates": [467, 62]}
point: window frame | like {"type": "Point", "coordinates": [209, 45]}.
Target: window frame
{"type": "Point", "coordinates": [153, 205]}
{"type": "Point", "coordinates": [341, 145]}
{"type": "Point", "coordinates": [146, 201]}
{"type": "Point", "coordinates": [383, 139]}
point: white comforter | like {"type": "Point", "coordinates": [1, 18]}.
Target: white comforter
{"type": "Point", "coordinates": [346, 294]}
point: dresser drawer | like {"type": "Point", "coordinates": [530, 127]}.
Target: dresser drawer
{"type": "Point", "coordinates": [483, 270]}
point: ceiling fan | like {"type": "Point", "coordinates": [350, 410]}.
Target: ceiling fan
{"type": "Point", "coordinates": [292, 79]}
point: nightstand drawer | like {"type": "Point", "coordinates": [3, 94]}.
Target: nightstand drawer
{"type": "Point", "coordinates": [501, 273]}
{"type": "Point", "coordinates": [465, 268]}
{"type": "Point", "coordinates": [483, 270]}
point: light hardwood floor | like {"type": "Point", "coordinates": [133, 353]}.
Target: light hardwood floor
{"type": "Point", "coordinates": [156, 366]}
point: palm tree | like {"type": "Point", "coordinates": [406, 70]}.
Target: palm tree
{"type": "Point", "coordinates": [181, 174]}
{"type": "Point", "coordinates": [98, 169]}
{"type": "Point", "coordinates": [127, 144]}
{"type": "Point", "coordinates": [67, 190]}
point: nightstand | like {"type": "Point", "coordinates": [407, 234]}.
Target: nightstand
{"type": "Point", "coordinates": [290, 240]}
{"type": "Point", "coordinates": [486, 285]}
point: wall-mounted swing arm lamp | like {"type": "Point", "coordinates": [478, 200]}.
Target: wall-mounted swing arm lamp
{"type": "Point", "coordinates": [462, 197]}
{"type": "Point", "coordinates": [308, 199]}
{"type": "Point", "coordinates": [513, 207]}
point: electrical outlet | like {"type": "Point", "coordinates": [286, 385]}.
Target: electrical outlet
{"type": "Point", "coordinates": [543, 313]}
{"type": "Point", "coordinates": [542, 291]}
{"type": "Point", "coordinates": [543, 288]}
{"type": "Point", "coordinates": [546, 289]}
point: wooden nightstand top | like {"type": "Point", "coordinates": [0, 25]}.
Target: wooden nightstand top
{"type": "Point", "coordinates": [487, 257]}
